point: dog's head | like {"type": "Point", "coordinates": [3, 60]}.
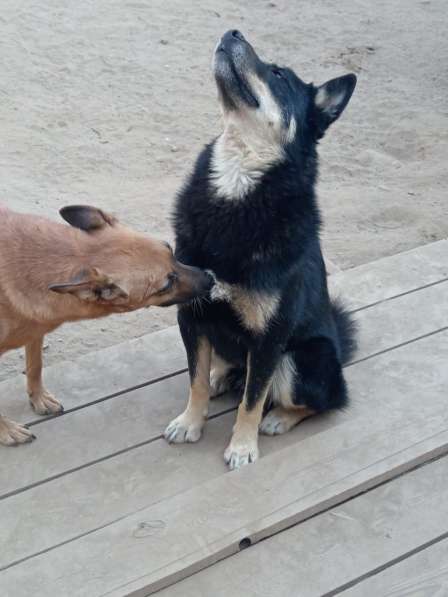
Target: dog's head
{"type": "Point", "coordinates": [124, 270]}
{"type": "Point", "coordinates": [268, 103]}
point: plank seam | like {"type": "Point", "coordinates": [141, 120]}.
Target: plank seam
{"type": "Point", "coordinates": [395, 296]}
{"type": "Point", "coordinates": [108, 397]}
{"type": "Point", "coordinates": [390, 564]}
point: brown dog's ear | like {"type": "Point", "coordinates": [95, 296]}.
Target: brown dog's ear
{"type": "Point", "coordinates": [86, 217]}
{"type": "Point", "coordinates": [91, 285]}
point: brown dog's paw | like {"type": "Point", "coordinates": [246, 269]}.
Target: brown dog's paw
{"type": "Point", "coordinates": [46, 404]}
{"type": "Point", "coordinates": [12, 434]}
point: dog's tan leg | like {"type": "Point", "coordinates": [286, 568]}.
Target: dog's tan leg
{"type": "Point", "coordinates": [187, 427]}
{"type": "Point", "coordinates": [41, 400]}
{"type": "Point", "coordinates": [12, 433]}
{"type": "Point", "coordinates": [279, 420]}
{"type": "Point", "coordinates": [243, 447]}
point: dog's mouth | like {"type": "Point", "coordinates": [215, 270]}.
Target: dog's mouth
{"type": "Point", "coordinates": [234, 61]}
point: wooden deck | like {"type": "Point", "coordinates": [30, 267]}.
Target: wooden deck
{"type": "Point", "coordinates": [351, 503]}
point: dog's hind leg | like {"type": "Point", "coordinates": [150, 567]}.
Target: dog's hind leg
{"type": "Point", "coordinates": [218, 375]}
{"type": "Point", "coordinates": [187, 427]}
{"type": "Point", "coordinates": [320, 383]}
{"type": "Point", "coordinates": [279, 420]}
{"type": "Point", "coordinates": [41, 400]}
{"type": "Point", "coordinates": [286, 414]}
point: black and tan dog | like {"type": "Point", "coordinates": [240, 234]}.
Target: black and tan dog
{"type": "Point", "coordinates": [248, 212]}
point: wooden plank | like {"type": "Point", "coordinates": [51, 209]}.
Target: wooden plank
{"type": "Point", "coordinates": [130, 364]}
{"type": "Point", "coordinates": [107, 427]}
{"type": "Point", "coordinates": [178, 536]}
{"type": "Point", "coordinates": [94, 496]}
{"type": "Point", "coordinates": [100, 374]}
{"type": "Point", "coordinates": [425, 573]}
{"type": "Point", "coordinates": [90, 434]}
{"type": "Point", "coordinates": [410, 316]}
{"type": "Point", "coordinates": [344, 546]}
{"type": "Point", "coordinates": [392, 276]}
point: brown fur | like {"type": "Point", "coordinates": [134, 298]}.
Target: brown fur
{"type": "Point", "coordinates": [51, 273]}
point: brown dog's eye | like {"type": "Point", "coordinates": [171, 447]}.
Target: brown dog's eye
{"type": "Point", "coordinates": [171, 278]}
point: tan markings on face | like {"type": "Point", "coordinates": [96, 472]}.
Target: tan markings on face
{"type": "Point", "coordinates": [292, 130]}
{"type": "Point", "coordinates": [268, 113]}
{"type": "Point", "coordinates": [252, 141]}
{"type": "Point", "coordinates": [255, 309]}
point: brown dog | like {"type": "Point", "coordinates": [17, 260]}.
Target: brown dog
{"type": "Point", "coordinates": [51, 273]}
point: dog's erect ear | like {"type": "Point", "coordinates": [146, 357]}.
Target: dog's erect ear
{"type": "Point", "coordinates": [86, 217]}
{"type": "Point", "coordinates": [91, 285]}
{"type": "Point", "coordinates": [331, 99]}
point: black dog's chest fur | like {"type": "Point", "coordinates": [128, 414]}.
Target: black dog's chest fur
{"type": "Point", "coordinates": [253, 241]}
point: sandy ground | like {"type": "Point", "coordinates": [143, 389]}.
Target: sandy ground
{"type": "Point", "coordinates": [108, 102]}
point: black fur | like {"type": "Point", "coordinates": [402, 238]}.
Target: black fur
{"type": "Point", "coordinates": [269, 241]}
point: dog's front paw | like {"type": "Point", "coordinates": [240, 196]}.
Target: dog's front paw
{"type": "Point", "coordinates": [239, 454]}
{"type": "Point", "coordinates": [44, 403]}
{"type": "Point", "coordinates": [12, 434]}
{"type": "Point", "coordinates": [184, 428]}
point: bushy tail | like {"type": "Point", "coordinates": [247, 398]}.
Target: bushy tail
{"type": "Point", "coordinates": [347, 331]}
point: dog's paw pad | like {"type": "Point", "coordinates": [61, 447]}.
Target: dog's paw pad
{"type": "Point", "coordinates": [12, 434]}
{"type": "Point", "coordinates": [182, 430]}
{"type": "Point", "coordinates": [46, 404]}
{"type": "Point", "coordinates": [237, 456]}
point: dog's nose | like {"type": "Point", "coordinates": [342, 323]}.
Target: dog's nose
{"type": "Point", "coordinates": [238, 35]}
{"type": "Point", "coordinates": [230, 38]}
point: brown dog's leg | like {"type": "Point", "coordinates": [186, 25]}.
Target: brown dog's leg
{"type": "Point", "coordinates": [187, 427]}
{"type": "Point", "coordinates": [12, 433]}
{"type": "Point", "coordinates": [41, 400]}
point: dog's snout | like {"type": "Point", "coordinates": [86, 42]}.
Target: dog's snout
{"type": "Point", "coordinates": [194, 280]}
{"type": "Point", "coordinates": [230, 38]}
{"type": "Point", "coordinates": [203, 279]}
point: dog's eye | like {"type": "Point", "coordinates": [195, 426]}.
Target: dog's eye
{"type": "Point", "coordinates": [171, 278]}
{"type": "Point", "coordinates": [278, 73]}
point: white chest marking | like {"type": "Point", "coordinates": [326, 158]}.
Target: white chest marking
{"type": "Point", "coordinates": [238, 167]}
